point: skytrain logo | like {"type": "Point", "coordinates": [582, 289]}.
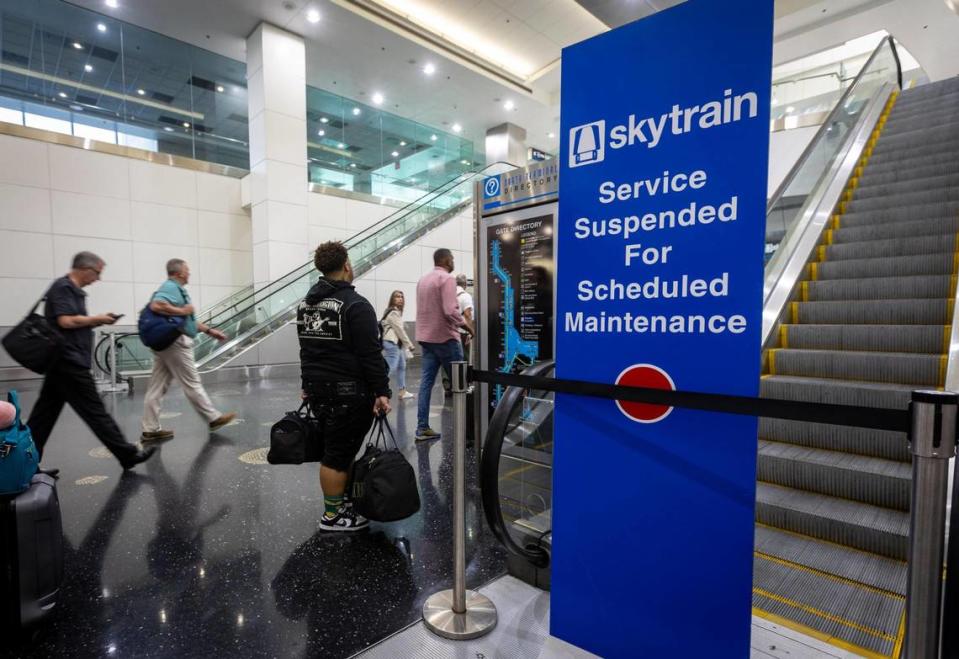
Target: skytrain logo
{"type": "Point", "coordinates": [587, 144]}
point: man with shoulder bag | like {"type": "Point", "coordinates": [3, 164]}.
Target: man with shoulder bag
{"type": "Point", "coordinates": [68, 379]}
{"type": "Point", "coordinates": [344, 376]}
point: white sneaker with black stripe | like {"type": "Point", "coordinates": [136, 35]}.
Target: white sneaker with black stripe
{"type": "Point", "coordinates": [346, 519]}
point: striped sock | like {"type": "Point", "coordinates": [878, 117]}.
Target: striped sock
{"type": "Point", "coordinates": [332, 504]}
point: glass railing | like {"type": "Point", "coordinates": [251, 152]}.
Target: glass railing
{"type": "Point", "coordinates": [257, 313]}
{"type": "Point", "coordinates": [785, 206]}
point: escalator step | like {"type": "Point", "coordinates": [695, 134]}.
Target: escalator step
{"type": "Point", "coordinates": [917, 137]}
{"type": "Point", "coordinates": [942, 197]}
{"type": "Point", "coordinates": [910, 151]}
{"type": "Point", "coordinates": [874, 312]}
{"type": "Point", "coordinates": [860, 617]}
{"type": "Point", "coordinates": [890, 367]}
{"type": "Point", "coordinates": [871, 249]}
{"type": "Point", "coordinates": [860, 441]}
{"type": "Point", "coordinates": [929, 264]}
{"type": "Point", "coordinates": [880, 288]}
{"type": "Point", "coordinates": [866, 569]}
{"type": "Point", "coordinates": [906, 123]}
{"type": "Point", "coordinates": [948, 161]}
{"type": "Point", "coordinates": [818, 390]}
{"type": "Point", "coordinates": [884, 483]}
{"type": "Point", "coordinates": [935, 227]}
{"type": "Point", "coordinates": [900, 214]}
{"type": "Point", "coordinates": [869, 190]}
{"type": "Point", "coordinates": [878, 530]}
{"type": "Point", "coordinates": [929, 339]}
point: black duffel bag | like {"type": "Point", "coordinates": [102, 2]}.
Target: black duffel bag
{"type": "Point", "coordinates": [33, 343]}
{"type": "Point", "coordinates": [383, 484]}
{"type": "Point", "coordinates": [296, 438]}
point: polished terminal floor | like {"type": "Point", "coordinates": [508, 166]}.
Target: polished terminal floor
{"type": "Point", "coordinates": [206, 550]}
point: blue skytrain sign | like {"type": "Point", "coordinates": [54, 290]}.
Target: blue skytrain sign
{"type": "Point", "coordinates": [665, 138]}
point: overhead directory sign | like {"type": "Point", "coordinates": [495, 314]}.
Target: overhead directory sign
{"type": "Point", "coordinates": [665, 132]}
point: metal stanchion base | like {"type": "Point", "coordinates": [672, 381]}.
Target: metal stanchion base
{"type": "Point", "coordinates": [479, 618]}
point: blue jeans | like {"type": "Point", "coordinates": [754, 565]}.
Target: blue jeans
{"type": "Point", "coordinates": [396, 360]}
{"type": "Point", "coordinates": [434, 356]}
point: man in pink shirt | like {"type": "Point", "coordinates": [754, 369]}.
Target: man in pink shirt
{"type": "Point", "coordinates": [438, 320]}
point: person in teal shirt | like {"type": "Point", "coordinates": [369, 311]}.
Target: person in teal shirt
{"type": "Point", "coordinates": [177, 362]}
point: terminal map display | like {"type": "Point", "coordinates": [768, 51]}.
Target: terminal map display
{"type": "Point", "coordinates": [520, 307]}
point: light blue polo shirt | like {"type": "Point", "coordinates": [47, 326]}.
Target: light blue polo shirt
{"type": "Point", "coordinates": [176, 295]}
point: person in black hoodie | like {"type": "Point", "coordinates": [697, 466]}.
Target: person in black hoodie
{"type": "Point", "coordinates": [344, 375]}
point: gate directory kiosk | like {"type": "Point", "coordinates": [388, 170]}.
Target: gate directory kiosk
{"type": "Point", "coordinates": [660, 237]}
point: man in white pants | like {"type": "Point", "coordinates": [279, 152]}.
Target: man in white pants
{"type": "Point", "coordinates": [176, 362]}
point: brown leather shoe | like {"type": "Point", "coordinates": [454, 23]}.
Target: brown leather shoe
{"type": "Point", "coordinates": [156, 436]}
{"type": "Point", "coordinates": [224, 419]}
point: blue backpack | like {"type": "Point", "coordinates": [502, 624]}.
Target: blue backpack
{"type": "Point", "coordinates": [158, 332]}
{"type": "Point", "coordinates": [19, 458]}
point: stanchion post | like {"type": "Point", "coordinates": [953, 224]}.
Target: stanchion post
{"type": "Point", "coordinates": [459, 614]}
{"type": "Point", "coordinates": [113, 361]}
{"type": "Point", "coordinates": [932, 440]}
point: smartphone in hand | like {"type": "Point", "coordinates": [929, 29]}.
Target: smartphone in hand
{"type": "Point", "coordinates": [115, 316]}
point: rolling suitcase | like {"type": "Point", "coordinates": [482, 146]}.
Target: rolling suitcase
{"type": "Point", "coordinates": [31, 553]}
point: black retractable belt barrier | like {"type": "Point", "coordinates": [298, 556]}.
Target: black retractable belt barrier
{"type": "Point", "coordinates": [842, 415]}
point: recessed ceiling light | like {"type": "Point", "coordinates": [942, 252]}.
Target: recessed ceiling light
{"type": "Point", "coordinates": [353, 164]}
{"type": "Point", "coordinates": [141, 92]}
{"type": "Point", "coordinates": [313, 16]}
{"type": "Point", "coordinates": [324, 120]}
{"type": "Point", "coordinates": [78, 45]}
{"type": "Point", "coordinates": [112, 4]}
{"type": "Point", "coordinates": [340, 146]}
{"type": "Point", "coordinates": [429, 69]}
{"type": "Point", "coordinates": [186, 124]}
{"type": "Point", "coordinates": [88, 68]}
{"type": "Point", "coordinates": [395, 154]}
{"type": "Point", "coordinates": [219, 88]}
{"type": "Point", "coordinates": [465, 162]}
{"type": "Point", "coordinates": [432, 138]}
{"type": "Point", "coordinates": [402, 143]}
{"type": "Point", "coordinates": [356, 112]}
{"type": "Point", "coordinates": [101, 27]}
{"type": "Point", "coordinates": [62, 95]}
{"type": "Point", "coordinates": [509, 105]}
{"type": "Point", "coordinates": [321, 133]}
{"type": "Point", "coordinates": [168, 129]}
{"type": "Point", "coordinates": [551, 135]}
{"type": "Point", "coordinates": [457, 128]}
{"type": "Point", "coordinates": [378, 98]}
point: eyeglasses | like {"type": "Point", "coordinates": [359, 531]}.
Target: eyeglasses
{"type": "Point", "coordinates": [94, 270]}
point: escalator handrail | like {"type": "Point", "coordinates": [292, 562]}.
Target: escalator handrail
{"type": "Point", "coordinates": [372, 229]}
{"type": "Point", "coordinates": [781, 190]}
{"type": "Point", "coordinates": [489, 469]}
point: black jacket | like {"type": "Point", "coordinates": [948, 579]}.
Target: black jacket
{"type": "Point", "coordinates": [340, 338]}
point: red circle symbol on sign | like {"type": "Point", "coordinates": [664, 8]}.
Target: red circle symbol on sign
{"type": "Point", "coordinates": [645, 375]}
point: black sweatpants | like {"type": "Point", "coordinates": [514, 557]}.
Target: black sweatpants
{"type": "Point", "coordinates": [73, 384]}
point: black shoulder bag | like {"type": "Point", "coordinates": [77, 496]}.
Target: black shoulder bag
{"type": "Point", "coordinates": [384, 484]}
{"type": "Point", "coordinates": [33, 343]}
{"type": "Point", "coordinates": [296, 438]}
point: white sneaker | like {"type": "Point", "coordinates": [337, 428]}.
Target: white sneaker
{"type": "Point", "coordinates": [406, 395]}
{"type": "Point", "coordinates": [346, 520]}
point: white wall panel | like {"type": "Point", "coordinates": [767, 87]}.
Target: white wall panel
{"type": "Point", "coordinates": [24, 208]}
{"type": "Point", "coordinates": [111, 297]}
{"type": "Point", "coordinates": [159, 223]}
{"type": "Point", "coordinates": [285, 223]}
{"type": "Point", "coordinates": [287, 182]}
{"type": "Point", "coordinates": [327, 210]}
{"type": "Point", "coordinates": [89, 215]}
{"type": "Point", "coordinates": [118, 255]}
{"type": "Point", "coordinates": [223, 231]}
{"type": "Point", "coordinates": [19, 296]}
{"type": "Point", "coordinates": [320, 235]}
{"type": "Point", "coordinates": [25, 255]}
{"type": "Point", "coordinates": [218, 193]}
{"type": "Point", "coordinates": [161, 184]}
{"type": "Point", "coordinates": [405, 266]}
{"type": "Point", "coordinates": [87, 172]}
{"type": "Point", "coordinates": [149, 262]}
{"type": "Point", "coordinates": [24, 162]}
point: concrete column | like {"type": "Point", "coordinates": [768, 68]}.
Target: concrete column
{"type": "Point", "coordinates": [276, 81]}
{"type": "Point", "coordinates": [506, 143]}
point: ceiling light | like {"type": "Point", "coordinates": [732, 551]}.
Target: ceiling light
{"type": "Point", "coordinates": [62, 95]}
{"type": "Point", "coordinates": [432, 138]}
{"type": "Point", "coordinates": [88, 68]}
{"type": "Point", "coordinates": [219, 88]}
{"type": "Point", "coordinates": [313, 16]}
{"type": "Point", "coordinates": [101, 27]}
{"type": "Point", "coordinates": [324, 120]}
{"type": "Point", "coordinates": [321, 133]}
{"type": "Point", "coordinates": [429, 69]}
{"type": "Point", "coordinates": [395, 154]}
{"type": "Point", "coordinates": [402, 143]}
{"type": "Point", "coordinates": [168, 129]}
{"type": "Point", "coordinates": [551, 135]}
{"type": "Point", "coordinates": [353, 164]}
{"type": "Point", "coordinates": [186, 124]}
{"type": "Point", "coordinates": [457, 128]}
{"type": "Point", "coordinates": [378, 98]}
{"type": "Point", "coordinates": [141, 92]}
{"type": "Point", "coordinates": [356, 112]}
{"type": "Point", "coordinates": [509, 105]}
{"type": "Point", "coordinates": [465, 162]}
{"type": "Point", "coordinates": [78, 45]}
{"type": "Point", "coordinates": [340, 146]}
{"type": "Point", "coordinates": [112, 4]}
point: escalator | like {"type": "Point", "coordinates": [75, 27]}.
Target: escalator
{"type": "Point", "coordinates": [861, 278]}
{"type": "Point", "coordinates": [253, 314]}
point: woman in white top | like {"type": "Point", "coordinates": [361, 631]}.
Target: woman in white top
{"type": "Point", "coordinates": [397, 347]}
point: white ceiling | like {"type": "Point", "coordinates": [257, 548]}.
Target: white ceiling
{"type": "Point", "coordinates": [355, 57]}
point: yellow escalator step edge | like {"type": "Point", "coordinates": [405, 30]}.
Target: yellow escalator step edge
{"type": "Point", "coordinates": [784, 336]}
